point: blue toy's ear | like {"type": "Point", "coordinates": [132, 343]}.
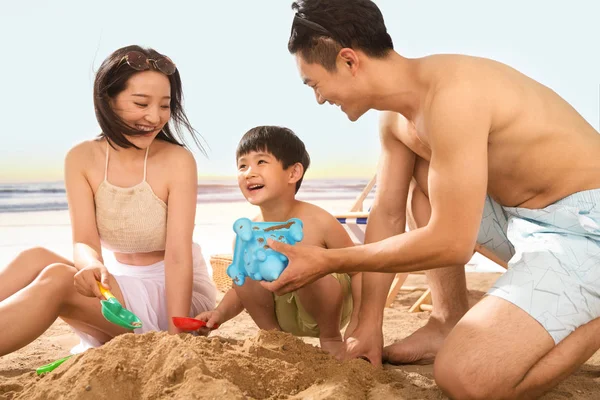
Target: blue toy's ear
{"type": "Point", "coordinates": [243, 228]}
{"type": "Point", "coordinates": [296, 229]}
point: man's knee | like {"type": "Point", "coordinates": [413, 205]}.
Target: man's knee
{"type": "Point", "coordinates": [465, 379]}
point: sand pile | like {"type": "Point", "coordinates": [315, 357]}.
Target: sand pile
{"type": "Point", "coordinates": [272, 365]}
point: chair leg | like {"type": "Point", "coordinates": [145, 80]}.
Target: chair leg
{"type": "Point", "coordinates": [424, 299]}
{"type": "Point", "coordinates": [395, 288]}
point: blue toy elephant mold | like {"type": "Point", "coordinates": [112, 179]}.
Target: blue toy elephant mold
{"type": "Point", "coordinates": [252, 257]}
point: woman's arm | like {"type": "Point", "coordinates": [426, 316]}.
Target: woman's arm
{"type": "Point", "coordinates": [87, 253]}
{"type": "Point", "coordinates": [181, 212]}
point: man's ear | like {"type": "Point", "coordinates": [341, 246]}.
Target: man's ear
{"type": "Point", "coordinates": [296, 172]}
{"type": "Point", "coordinates": [347, 58]}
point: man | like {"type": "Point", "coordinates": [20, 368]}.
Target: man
{"type": "Point", "coordinates": [466, 142]}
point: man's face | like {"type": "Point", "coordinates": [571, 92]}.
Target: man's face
{"type": "Point", "coordinates": [339, 87]}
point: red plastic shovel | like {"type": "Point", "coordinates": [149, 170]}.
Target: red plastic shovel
{"type": "Point", "coordinates": [190, 324]}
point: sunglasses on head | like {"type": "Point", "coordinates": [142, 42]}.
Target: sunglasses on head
{"type": "Point", "coordinates": [313, 25]}
{"type": "Point", "coordinates": [140, 62]}
{"type": "Point", "coordinates": [302, 20]}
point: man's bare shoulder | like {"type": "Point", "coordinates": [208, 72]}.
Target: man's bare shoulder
{"type": "Point", "coordinates": [474, 78]}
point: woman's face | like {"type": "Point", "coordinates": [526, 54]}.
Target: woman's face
{"type": "Point", "coordinates": [144, 105]}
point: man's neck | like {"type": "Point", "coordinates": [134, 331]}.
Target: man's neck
{"type": "Point", "coordinates": [397, 85]}
{"type": "Point", "coordinates": [279, 210]}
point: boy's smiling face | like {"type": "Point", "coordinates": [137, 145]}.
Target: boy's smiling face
{"type": "Point", "coordinates": [261, 177]}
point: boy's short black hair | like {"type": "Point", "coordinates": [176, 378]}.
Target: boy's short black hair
{"type": "Point", "coordinates": [321, 28]}
{"type": "Point", "coordinates": [281, 142]}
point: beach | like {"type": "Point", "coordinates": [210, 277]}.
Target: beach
{"type": "Point", "coordinates": [236, 361]}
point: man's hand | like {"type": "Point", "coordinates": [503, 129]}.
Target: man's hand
{"type": "Point", "coordinates": [306, 265]}
{"type": "Point", "coordinates": [366, 342]}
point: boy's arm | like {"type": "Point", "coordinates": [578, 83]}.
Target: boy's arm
{"type": "Point", "coordinates": [230, 306]}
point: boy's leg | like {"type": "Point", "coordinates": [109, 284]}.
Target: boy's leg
{"type": "Point", "coordinates": [25, 268]}
{"type": "Point", "coordinates": [259, 303]}
{"type": "Point", "coordinates": [27, 314]}
{"type": "Point", "coordinates": [323, 299]}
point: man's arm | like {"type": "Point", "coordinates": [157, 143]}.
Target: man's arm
{"type": "Point", "coordinates": [387, 217]}
{"type": "Point", "coordinates": [458, 125]}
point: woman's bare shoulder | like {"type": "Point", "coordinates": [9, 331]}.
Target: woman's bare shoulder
{"type": "Point", "coordinates": [86, 151]}
{"type": "Point", "coordinates": [173, 153]}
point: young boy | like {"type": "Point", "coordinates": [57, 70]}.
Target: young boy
{"type": "Point", "coordinates": [271, 163]}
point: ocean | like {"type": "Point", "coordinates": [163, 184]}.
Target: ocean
{"type": "Point", "coordinates": [45, 196]}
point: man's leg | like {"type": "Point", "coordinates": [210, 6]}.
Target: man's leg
{"type": "Point", "coordinates": [259, 303]}
{"type": "Point", "coordinates": [498, 351]}
{"type": "Point", "coordinates": [448, 289]}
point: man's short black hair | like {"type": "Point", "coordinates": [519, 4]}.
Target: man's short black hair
{"type": "Point", "coordinates": [281, 142]}
{"type": "Point", "coordinates": [321, 28]}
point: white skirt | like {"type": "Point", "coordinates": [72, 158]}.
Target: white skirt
{"type": "Point", "coordinates": [144, 292]}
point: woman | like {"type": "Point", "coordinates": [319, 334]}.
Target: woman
{"type": "Point", "coordinates": [133, 191]}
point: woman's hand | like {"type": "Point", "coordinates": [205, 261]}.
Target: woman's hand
{"type": "Point", "coordinates": [86, 278]}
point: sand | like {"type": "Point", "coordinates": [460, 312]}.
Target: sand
{"type": "Point", "coordinates": [238, 362]}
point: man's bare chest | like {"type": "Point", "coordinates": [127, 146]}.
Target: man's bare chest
{"type": "Point", "coordinates": [416, 141]}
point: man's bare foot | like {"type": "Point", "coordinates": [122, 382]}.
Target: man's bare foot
{"type": "Point", "coordinates": [421, 346]}
{"type": "Point", "coordinates": [335, 346]}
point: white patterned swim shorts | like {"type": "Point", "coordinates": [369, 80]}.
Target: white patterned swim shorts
{"type": "Point", "coordinates": [553, 257]}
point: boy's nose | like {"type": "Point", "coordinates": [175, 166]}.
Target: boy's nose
{"type": "Point", "coordinates": [250, 172]}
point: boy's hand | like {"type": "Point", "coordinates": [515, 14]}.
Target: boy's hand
{"type": "Point", "coordinates": [306, 265]}
{"type": "Point", "coordinates": [211, 318]}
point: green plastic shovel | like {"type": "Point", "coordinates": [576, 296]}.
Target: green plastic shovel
{"type": "Point", "coordinates": [52, 366]}
{"type": "Point", "coordinates": [114, 312]}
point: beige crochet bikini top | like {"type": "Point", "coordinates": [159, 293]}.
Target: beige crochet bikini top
{"type": "Point", "coordinates": [132, 219]}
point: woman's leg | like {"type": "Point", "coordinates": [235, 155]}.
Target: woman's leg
{"type": "Point", "coordinates": [25, 268]}
{"type": "Point", "coordinates": [27, 314]}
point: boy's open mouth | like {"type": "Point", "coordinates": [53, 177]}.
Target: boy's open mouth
{"type": "Point", "coordinates": [255, 187]}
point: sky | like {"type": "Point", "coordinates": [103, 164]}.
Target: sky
{"type": "Point", "coordinates": [237, 73]}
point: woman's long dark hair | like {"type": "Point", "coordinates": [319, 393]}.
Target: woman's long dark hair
{"type": "Point", "coordinates": [111, 79]}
